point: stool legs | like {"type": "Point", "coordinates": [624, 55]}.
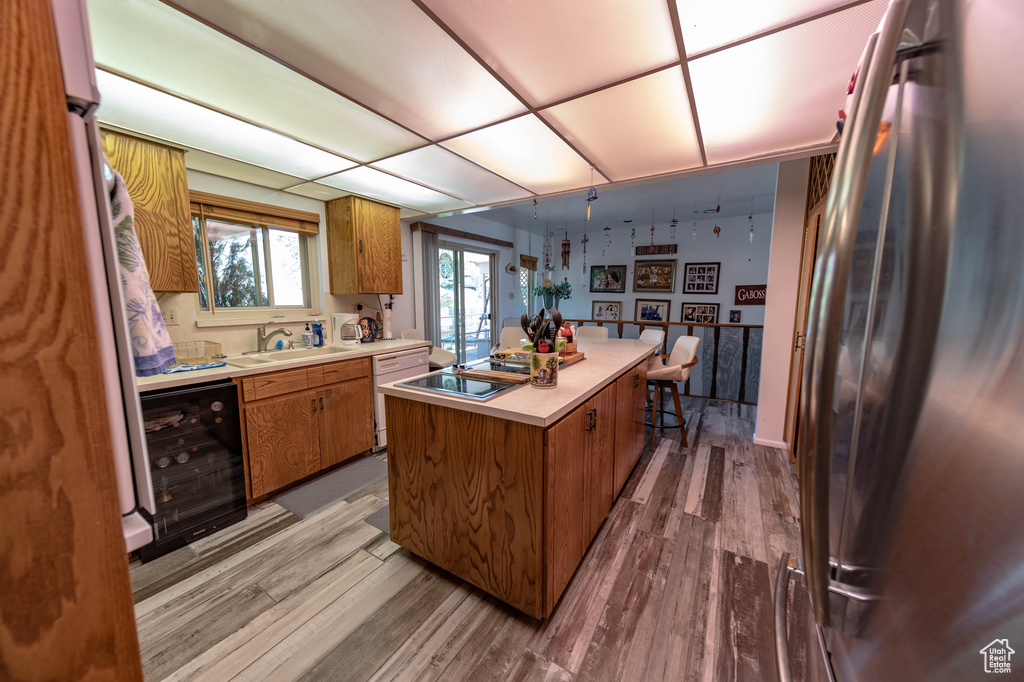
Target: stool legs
{"type": "Point", "coordinates": [679, 413]}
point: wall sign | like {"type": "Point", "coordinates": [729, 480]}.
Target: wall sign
{"type": "Point", "coordinates": [751, 294]}
{"type": "Point", "coordinates": [656, 250]}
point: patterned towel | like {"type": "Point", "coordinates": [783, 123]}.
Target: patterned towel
{"type": "Point", "coordinates": [151, 344]}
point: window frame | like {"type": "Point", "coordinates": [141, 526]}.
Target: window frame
{"type": "Point", "coordinates": [309, 254]}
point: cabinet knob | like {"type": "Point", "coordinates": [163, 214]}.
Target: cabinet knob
{"type": "Point", "coordinates": [314, 403]}
{"type": "Point", "coordinates": [360, 246]}
{"type": "Point", "coordinates": [321, 402]}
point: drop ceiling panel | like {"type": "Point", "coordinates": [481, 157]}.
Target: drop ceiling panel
{"type": "Point", "coordinates": [627, 140]}
{"type": "Point", "coordinates": [315, 190]}
{"type": "Point", "coordinates": [548, 51]}
{"type": "Point", "coordinates": [131, 106]}
{"type": "Point", "coordinates": [707, 25]}
{"type": "Point", "coordinates": [782, 91]}
{"type": "Point", "coordinates": [374, 184]}
{"type": "Point", "coordinates": [162, 47]}
{"type": "Point", "coordinates": [438, 167]}
{"type": "Point", "coordinates": [236, 170]}
{"type": "Point", "coordinates": [525, 151]}
{"type": "Point", "coordinates": [386, 54]}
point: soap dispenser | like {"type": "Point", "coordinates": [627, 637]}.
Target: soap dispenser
{"type": "Point", "coordinates": [308, 338]}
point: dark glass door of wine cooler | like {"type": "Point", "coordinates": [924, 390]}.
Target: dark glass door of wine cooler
{"type": "Point", "coordinates": [195, 456]}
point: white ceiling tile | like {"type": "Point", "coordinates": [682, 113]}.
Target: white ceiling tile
{"type": "Point", "coordinates": [449, 173]}
{"type": "Point", "coordinates": [628, 141]}
{"type": "Point", "coordinates": [386, 54]}
{"type": "Point", "coordinates": [707, 25]}
{"type": "Point", "coordinates": [405, 213]}
{"type": "Point", "coordinates": [548, 51]}
{"type": "Point", "coordinates": [135, 107]}
{"type": "Point", "coordinates": [374, 184]}
{"type": "Point", "coordinates": [315, 190]}
{"type": "Point", "coordinates": [196, 159]}
{"type": "Point", "coordinates": [525, 151]}
{"type": "Point", "coordinates": [162, 47]}
{"type": "Point", "coordinates": [782, 91]}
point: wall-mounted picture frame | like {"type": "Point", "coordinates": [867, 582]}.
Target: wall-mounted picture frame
{"type": "Point", "coordinates": [648, 310]}
{"type": "Point", "coordinates": [608, 279]}
{"type": "Point", "coordinates": [654, 276]}
{"type": "Point", "coordinates": [701, 278]}
{"type": "Point", "coordinates": [606, 310]}
{"type": "Point", "coordinates": [735, 316]}
{"type": "Point", "coordinates": [700, 313]}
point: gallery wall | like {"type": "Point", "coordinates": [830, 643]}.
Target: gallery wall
{"type": "Point", "coordinates": [742, 262]}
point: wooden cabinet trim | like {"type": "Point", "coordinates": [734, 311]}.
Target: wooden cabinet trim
{"type": "Point", "coordinates": [272, 384]}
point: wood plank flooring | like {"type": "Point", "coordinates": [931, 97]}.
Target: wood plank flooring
{"type": "Point", "coordinates": [677, 585]}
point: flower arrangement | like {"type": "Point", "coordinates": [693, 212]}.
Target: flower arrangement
{"type": "Point", "coordinates": [561, 291]}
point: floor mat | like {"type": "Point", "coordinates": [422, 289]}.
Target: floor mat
{"type": "Point", "coordinates": [314, 496]}
{"type": "Point", "coordinates": [380, 519]}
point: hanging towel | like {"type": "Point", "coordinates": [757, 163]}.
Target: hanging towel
{"type": "Point", "coordinates": [151, 344]}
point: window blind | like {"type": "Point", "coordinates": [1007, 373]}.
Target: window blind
{"type": "Point", "coordinates": [230, 209]}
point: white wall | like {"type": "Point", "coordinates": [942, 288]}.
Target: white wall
{"type": "Point", "coordinates": [742, 262]}
{"type": "Point", "coordinates": [780, 308]}
{"type": "Point", "coordinates": [242, 337]}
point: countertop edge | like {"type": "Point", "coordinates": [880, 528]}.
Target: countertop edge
{"type": "Point", "coordinates": [161, 381]}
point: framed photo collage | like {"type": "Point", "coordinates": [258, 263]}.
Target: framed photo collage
{"type": "Point", "coordinates": [657, 277]}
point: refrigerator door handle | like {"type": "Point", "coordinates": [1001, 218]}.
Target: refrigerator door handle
{"type": "Point", "coordinates": [842, 216]}
{"type": "Point", "coordinates": [781, 638]}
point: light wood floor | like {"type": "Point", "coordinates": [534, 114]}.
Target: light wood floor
{"type": "Point", "coordinates": [676, 586]}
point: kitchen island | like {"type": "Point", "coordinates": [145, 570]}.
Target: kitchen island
{"type": "Point", "coordinates": [508, 494]}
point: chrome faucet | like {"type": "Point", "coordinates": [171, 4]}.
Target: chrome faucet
{"type": "Point", "coordinates": [263, 338]}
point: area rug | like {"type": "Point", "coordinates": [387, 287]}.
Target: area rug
{"type": "Point", "coordinates": [317, 495]}
{"type": "Point", "coordinates": [380, 519]}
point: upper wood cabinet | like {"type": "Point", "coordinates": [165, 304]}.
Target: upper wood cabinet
{"type": "Point", "coordinates": [364, 247]}
{"type": "Point", "coordinates": [155, 176]}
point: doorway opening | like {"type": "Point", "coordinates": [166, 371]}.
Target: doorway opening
{"type": "Point", "coordinates": [466, 280]}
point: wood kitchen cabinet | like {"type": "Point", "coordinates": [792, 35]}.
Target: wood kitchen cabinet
{"type": "Point", "coordinates": [631, 402]}
{"type": "Point", "coordinates": [300, 421]}
{"type": "Point", "coordinates": [579, 455]}
{"type": "Point", "coordinates": [364, 247]}
{"type": "Point", "coordinates": [158, 187]}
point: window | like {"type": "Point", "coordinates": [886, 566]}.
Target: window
{"type": "Point", "coordinates": [252, 261]}
{"type": "Point", "coordinates": [525, 285]}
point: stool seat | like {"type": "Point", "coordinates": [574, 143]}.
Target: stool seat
{"type": "Point", "coordinates": [664, 375]}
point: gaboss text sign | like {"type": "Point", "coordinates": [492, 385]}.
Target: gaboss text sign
{"type": "Point", "coordinates": [751, 294]}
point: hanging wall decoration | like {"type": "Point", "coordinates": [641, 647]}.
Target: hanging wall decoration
{"type": "Point", "coordinates": [672, 226]}
{"type": "Point", "coordinates": [718, 231]}
{"type": "Point", "coordinates": [751, 219]}
{"type": "Point", "coordinates": [584, 242]}
{"type": "Point", "coordinates": [652, 228]}
{"type": "Point", "coordinates": [566, 246]}
{"type": "Point", "coordinates": [694, 238]}
{"type": "Point", "coordinates": [607, 231]}
{"type": "Point", "coordinates": [548, 267]}
{"type": "Point", "coordinates": [534, 209]}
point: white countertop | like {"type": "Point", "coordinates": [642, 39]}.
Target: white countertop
{"type": "Point", "coordinates": [605, 360]}
{"type": "Point", "coordinates": [199, 376]}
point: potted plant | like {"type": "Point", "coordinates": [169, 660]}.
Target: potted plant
{"type": "Point", "coordinates": [553, 293]}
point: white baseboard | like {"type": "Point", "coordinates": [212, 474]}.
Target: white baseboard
{"type": "Point", "coordinates": [780, 444]}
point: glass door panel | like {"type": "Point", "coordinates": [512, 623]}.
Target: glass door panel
{"type": "Point", "coordinates": [466, 298]}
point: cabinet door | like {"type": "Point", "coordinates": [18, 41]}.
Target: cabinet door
{"type": "Point", "coordinates": [625, 430]}
{"type": "Point", "coordinates": [155, 177]}
{"type": "Point", "coordinates": [346, 421]}
{"type": "Point", "coordinates": [600, 461]}
{"type": "Point", "coordinates": [564, 452]}
{"type": "Point", "coordinates": [639, 413]}
{"type": "Point", "coordinates": [284, 441]}
{"type": "Point", "coordinates": [378, 247]}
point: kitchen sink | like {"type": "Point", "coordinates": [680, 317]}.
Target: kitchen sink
{"type": "Point", "coordinates": [270, 357]}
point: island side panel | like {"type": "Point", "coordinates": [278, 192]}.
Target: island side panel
{"type": "Point", "coordinates": [466, 493]}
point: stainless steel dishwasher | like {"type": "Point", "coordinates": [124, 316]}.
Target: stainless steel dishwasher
{"type": "Point", "coordinates": [389, 367]}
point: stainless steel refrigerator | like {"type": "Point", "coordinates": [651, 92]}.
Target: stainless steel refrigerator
{"type": "Point", "coordinates": [134, 483]}
{"type": "Point", "coordinates": [911, 461]}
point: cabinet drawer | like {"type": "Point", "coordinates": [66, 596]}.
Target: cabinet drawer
{"type": "Point", "coordinates": [343, 371]}
{"type": "Point", "coordinates": [277, 383]}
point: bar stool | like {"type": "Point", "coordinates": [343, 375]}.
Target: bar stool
{"type": "Point", "coordinates": [439, 357]}
{"type": "Point", "coordinates": [591, 331]}
{"type": "Point", "coordinates": [668, 375]}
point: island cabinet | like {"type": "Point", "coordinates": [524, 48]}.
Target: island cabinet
{"type": "Point", "coordinates": [155, 177]}
{"type": "Point", "coordinates": [507, 504]}
{"type": "Point", "coordinates": [579, 457]}
{"type": "Point", "coordinates": [631, 398]}
{"type": "Point", "coordinates": [298, 422]}
{"type": "Point", "coordinates": [364, 247]}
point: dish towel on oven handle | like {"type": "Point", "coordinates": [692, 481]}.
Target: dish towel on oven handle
{"type": "Point", "coordinates": [151, 344]}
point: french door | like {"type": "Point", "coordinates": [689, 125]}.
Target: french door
{"type": "Point", "coordinates": [466, 281]}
